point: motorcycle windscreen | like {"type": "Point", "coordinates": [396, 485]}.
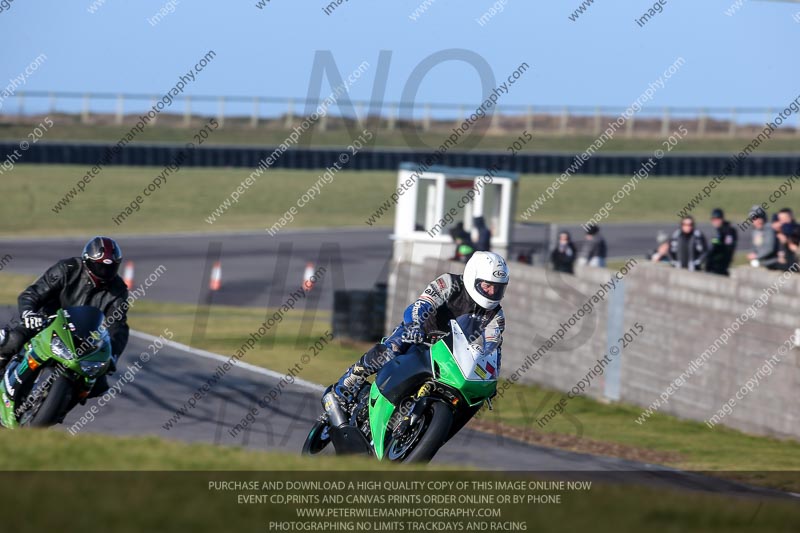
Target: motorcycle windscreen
{"type": "Point", "coordinates": [89, 333]}
{"type": "Point", "coordinates": [476, 358]}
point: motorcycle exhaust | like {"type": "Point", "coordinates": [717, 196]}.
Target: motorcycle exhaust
{"type": "Point", "coordinates": [346, 439]}
{"type": "Point", "coordinates": [334, 410]}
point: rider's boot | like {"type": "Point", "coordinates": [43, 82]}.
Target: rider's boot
{"type": "Point", "coordinates": [350, 383]}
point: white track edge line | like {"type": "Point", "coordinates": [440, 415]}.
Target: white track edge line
{"type": "Point", "coordinates": [223, 359]}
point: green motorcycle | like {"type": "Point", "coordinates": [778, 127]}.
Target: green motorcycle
{"type": "Point", "coordinates": [418, 400]}
{"type": "Point", "coordinates": [56, 369]}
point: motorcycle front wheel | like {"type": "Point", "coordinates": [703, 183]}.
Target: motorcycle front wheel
{"type": "Point", "coordinates": [50, 397]}
{"type": "Point", "coordinates": [420, 443]}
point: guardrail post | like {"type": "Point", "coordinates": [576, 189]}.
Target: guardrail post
{"type": "Point", "coordinates": [732, 124]}
{"type": "Point", "coordinates": [361, 114]}
{"type": "Point", "coordinates": [426, 120]}
{"type": "Point", "coordinates": [665, 122]}
{"type": "Point", "coordinates": [85, 109]}
{"type": "Point", "coordinates": [390, 120]}
{"type": "Point", "coordinates": [494, 122]}
{"type": "Point", "coordinates": [529, 118]}
{"type": "Point", "coordinates": [120, 109]}
{"type": "Point", "coordinates": [52, 98]}
{"type": "Point", "coordinates": [629, 126]}
{"type": "Point", "coordinates": [187, 112]}
{"type": "Point", "coordinates": [701, 123]}
{"type": "Point", "coordinates": [598, 121]}
{"type": "Point", "coordinates": [562, 126]}
{"type": "Point", "coordinates": [254, 116]}
{"type": "Point", "coordinates": [153, 101]}
{"type": "Point", "coordinates": [221, 111]}
{"type": "Point", "coordinates": [460, 117]}
{"type": "Point", "coordinates": [20, 103]}
{"type": "Point", "coordinates": [289, 114]}
{"type": "Point", "coordinates": [323, 120]}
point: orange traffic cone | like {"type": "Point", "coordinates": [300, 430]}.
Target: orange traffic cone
{"type": "Point", "coordinates": [215, 282]}
{"type": "Point", "coordinates": [127, 274]}
{"type": "Point", "coordinates": [308, 274]}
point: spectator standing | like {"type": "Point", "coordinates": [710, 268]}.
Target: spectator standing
{"type": "Point", "coordinates": [687, 247]}
{"type": "Point", "coordinates": [765, 243]}
{"type": "Point", "coordinates": [788, 245]}
{"type": "Point", "coordinates": [723, 244]}
{"type": "Point", "coordinates": [594, 249]}
{"type": "Point", "coordinates": [776, 223]}
{"type": "Point", "coordinates": [464, 248]}
{"type": "Point", "coordinates": [661, 252]}
{"type": "Point", "coordinates": [484, 240]}
{"type": "Point", "coordinates": [786, 216]}
{"type": "Point", "coordinates": [563, 255]}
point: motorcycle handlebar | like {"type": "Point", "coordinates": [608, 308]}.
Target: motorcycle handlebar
{"type": "Point", "coordinates": [432, 337]}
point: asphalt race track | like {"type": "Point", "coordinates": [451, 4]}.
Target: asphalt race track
{"type": "Point", "coordinates": [146, 401]}
{"type": "Point", "coordinates": [259, 270]}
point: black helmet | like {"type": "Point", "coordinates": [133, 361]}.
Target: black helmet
{"type": "Point", "coordinates": [102, 257]}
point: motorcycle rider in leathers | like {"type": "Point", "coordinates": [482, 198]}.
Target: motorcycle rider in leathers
{"type": "Point", "coordinates": [478, 291]}
{"type": "Point", "coordinates": [87, 280]}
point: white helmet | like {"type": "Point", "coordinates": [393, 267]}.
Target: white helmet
{"type": "Point", "coordinates": [486, 267]}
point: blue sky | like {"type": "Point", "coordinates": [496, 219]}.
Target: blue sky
{"type": "Point", "coordinates": [603, 58]}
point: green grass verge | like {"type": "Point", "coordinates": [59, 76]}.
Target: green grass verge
{"type": "Point", "coordinates": [191, 195]}
{"type": "Point", "coordinates": [66, 130]}
{"type": "Point", "coordinates": [133, 484]}
{"type": "Point", "coordinates": [23, 449]}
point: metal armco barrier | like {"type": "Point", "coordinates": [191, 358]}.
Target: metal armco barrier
{"type": "Point", "coordinates": [159, 155]}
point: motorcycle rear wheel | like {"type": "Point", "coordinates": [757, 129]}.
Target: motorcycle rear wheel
{"type": "Point", "coordinates": [318, 439]}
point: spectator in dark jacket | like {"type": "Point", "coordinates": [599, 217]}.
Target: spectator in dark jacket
{"type": "Point", "coordinates": [788, 245]}
{"type": "Point", "coordinates": [464, 247]}
{"type": "Point", "coordinates": [687, 247]}
{"type": "Point", "coordinates": [765, 243]}
{"type": "Point", "coordinates": [563, 255]}
{"type": "Point", "coordinates": [594, 249]}
{"type": "Point", "coordinates": [786, 216]}
{"type": "Point", "coordinates": [723, 244]}
{"type": "Point", "coordinates": [775, 223]}
{"type": "Point", "coordinates": [484, 242]}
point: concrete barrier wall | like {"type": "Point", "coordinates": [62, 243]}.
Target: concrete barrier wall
{"type": "Point", "coordinates": [684, 314]}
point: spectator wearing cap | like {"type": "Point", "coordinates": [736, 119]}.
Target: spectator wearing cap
{"type": "Point", "coordinates": [765, 244]}
{"type": "Point", "coordinates": [594, 249]}
{"type": "Point", "coordinates": [687, 246]}
{"type": "Point", "coordinates": [563, 255]}
{"type": "Point", "coordinates": [723, 244]}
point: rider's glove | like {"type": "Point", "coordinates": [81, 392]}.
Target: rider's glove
{"type": "Point", "coordinates": [413, 334]}
{"type": "Point", "coordinates": [32, 320]}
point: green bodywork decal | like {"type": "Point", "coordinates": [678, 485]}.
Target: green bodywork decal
{"type": "Point", "coordinates": [475, 391]}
